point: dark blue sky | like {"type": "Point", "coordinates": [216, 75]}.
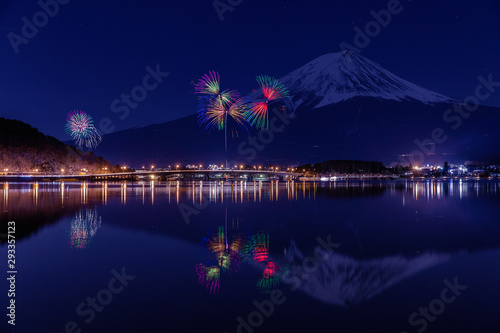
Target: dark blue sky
{"type": "Point", "coordinates": [91, 51]}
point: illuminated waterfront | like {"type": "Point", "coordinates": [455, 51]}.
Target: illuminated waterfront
{"type": "Point", "coordinates": [210, 249]}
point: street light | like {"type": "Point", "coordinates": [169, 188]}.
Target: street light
{"type": "Point", "coordinates": [241, 166]}
{"type": "Point", "coordinates": [177, 167]}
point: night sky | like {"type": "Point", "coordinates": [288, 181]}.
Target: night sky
{"type": "Point", "coordinates": [91, 51]}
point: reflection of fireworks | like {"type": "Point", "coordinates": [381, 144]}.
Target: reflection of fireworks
{"type": "Point", "coordinates": [209, 277]}
{"type": "Point", "coordinates": [225, 258]}
{"type": "Point", "coordinates": [230, 256]}
{"type": "Point", "coordinates": [270, 277]}
{"type": "Point", "coordinates": [226, 254]}
{"type": "Point", "coordinates": [257, 248]}
{"type": "Point", "coordinates": [81, 128]}
{"type": "Point", "coordinates": [83, 227]}
{"type": "Point", "coordinates": [273, 90]}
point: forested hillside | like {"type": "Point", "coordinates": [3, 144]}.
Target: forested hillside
{"type": "Point", "coordinates": [24, 149]}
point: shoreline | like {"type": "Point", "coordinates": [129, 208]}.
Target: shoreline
{"type": "Point", "coordinates": [333, 179]}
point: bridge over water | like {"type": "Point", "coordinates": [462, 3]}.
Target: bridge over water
{"type": "Point", "coordinates": [249, 175]}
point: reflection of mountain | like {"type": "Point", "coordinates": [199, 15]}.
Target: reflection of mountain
{"type": "Point", "coordinates": [33, 206]}
{"type": "Point", "coordinates": [32, 209]}
{"type": "Point", "coordinates": [346, 281]}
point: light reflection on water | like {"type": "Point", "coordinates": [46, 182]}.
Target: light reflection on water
{"type": "Point", "coordinates": [83, 227]}
{"type": "Point", "coordinates": [242, 240]}
{"type": "Point", "coordinates": [239, 192]}
{"type": "Point", "coordinates": [229, 249]}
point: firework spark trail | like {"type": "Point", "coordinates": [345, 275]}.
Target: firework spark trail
{"type": "Point", "coordinates": [272, 90]}
{"type": "Point", "coordinates": [211, 115]}
{"type": "Point", "coordinates": [80, 126]}
{"type": "Point", "coordinates": [214, 115]}
{"type": "Point", "coordinates": [216, 107]}
{"type": "Point", "coordinates": [238, 109]}
{"type": "Point", "coordinates": [209, 85]}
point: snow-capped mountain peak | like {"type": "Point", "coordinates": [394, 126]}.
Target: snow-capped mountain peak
{"type": "Point", "coordinates": [339, 76]}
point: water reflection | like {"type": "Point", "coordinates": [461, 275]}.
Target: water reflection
{"type": "Point", "coordinates": [5, 191]}
{"type": "Point", "coordinates": [393, 234]}
{"type": "Point", "coordinates": [225, 256]}
{"type": "Point", "coordinates": [347, 281]}
{"type": "Point", "coordinates": [257, 249]}
{"type": "Point", "coordinates": [83, 227]}
{"type": "Point", "coordinates": [229, 249]}
{"type": "Point", "coordinates": [20, 200]}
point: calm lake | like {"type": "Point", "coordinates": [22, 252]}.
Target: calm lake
{"type": "Point", "coordinates": [372, 256]}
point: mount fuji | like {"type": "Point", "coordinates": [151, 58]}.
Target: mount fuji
{"type": "Point", "coordinates": [340, 76]}
{"type": "Point", "coordinates": [343, 106]}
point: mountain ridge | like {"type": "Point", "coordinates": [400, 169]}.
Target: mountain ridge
{"type": "Point", "coordinates": [339, 76]}
{"type": "Point", "coordinates": [24, 149]}
{"type": "Point", "coordinates": [347, 108]}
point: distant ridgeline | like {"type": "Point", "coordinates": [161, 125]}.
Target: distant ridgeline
{"type": "Point", "coordinates": [345, 166]}
{"type": "Point", "coordinates": [24, 149]}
